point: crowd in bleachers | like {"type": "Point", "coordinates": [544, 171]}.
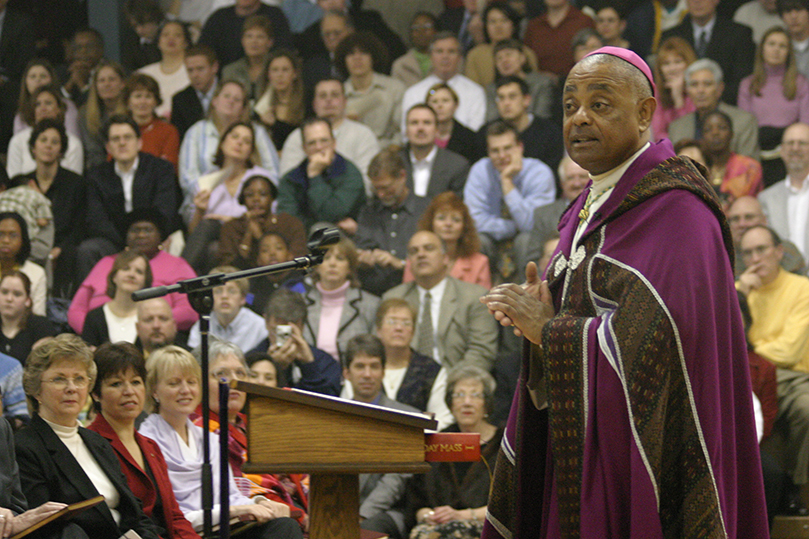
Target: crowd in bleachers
{"type": "Point", "coordinates": [430, 134]}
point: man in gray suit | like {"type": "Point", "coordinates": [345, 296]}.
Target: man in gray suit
{"type": "Point", "coordinates": [703, 84]}
{"type": "Point", "coordinates": [786, 204]}
{"type": "Point", "coordinates": [573, 179]}
{"type": "Point", "coordinates": [430, 170]}
{"type": "Point", "coordinates": [381, 495]}
{"type": "Point", "coordinates": [453, 327]}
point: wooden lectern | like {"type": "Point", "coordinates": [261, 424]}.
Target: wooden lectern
{"type": "Point", "coordinates": [333, 440]}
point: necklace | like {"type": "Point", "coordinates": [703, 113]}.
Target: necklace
{"type": "Point", "coordinates": [584, 214]}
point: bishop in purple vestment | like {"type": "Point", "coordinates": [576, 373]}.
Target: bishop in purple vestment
{"type": "Point", "coordinates": [632, 417]}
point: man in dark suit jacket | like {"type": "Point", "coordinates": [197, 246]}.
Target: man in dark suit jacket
{"type": "Point", "coordinates": [728, 43]}
{"type": "Point", "coordinates": [190, 105]}
{"type": "Point", "coordinates": [49, 471]}
{"type": "Point", "coordinates": [16, 49]}
{"type": "Point", "coordinates": [132, 180]}
{"type": "Point", "coordinates": [443, 170]}
{"type": "Point", "coordinates": [223, 29]}
{"type": "Point", "coordinates": [311, 44]}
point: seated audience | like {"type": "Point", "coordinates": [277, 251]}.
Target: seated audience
{"type": "Point", "coordinates": [155, 326]}
{"type": "Point", "coordinates": [787, 193]}
{"type": "Point", "coordinates": [746, 212]}
{"type": "Point", "coordinates": [115, 320]}
{"type": "Point", "coordinates": [714, 36]}
{"type": "Point", "coordinates": [541, 138]}
{"type": "Point", "coordinates": [510, 61]}
{"type": "Point", "coordinates": [12, 397]}
{"type": "Point", "coordinates": [550, 36]}
{"type": "Point", "coordinates": [452, 325]}
{"type": "Point", "coordinates": [104, 100]}
{"type": "Point", "coordinates": [158, 137]}
{"type": "Point", "coordinates": [703, 82]}
{"type": "Point", "coordinates": [797, 13]}
{"type": "Point", "coordinates": [450, 499]}
{"type": "Point", "coordinates": [213, 198]}
{"type": "Point", "coordinates": [133, 180]}
{"type": "Point", "coordinates": [67, 192]}
{"type": "Point", "coordinates": [303, 366]}
{"type": "Point", "coordinates": [190, 105]}
{"type": "Point", "coordinates": [415, 64]}
{"type": "Point", "coordinates": [386, 223]}
{"type": "Point", "coordinates": [263, 370]}
{"type": "Point", "coordinates": [223, 28]}
{"type": "Point", "coordinates": [431, 170]}
{"type": "Point", "coordinates": [38, 73]}
{"type": "Point", "coordinates": [777, 95]}
{"type": "Point", "coordinates": [450, 134]}
{"type": "Point", "coordinates": [227, 362]}
{"type": "Point", "coordinates": [673, 57]}
{"type": "Point", "coordinates": [732, 175]}
{"type": "Point", "coordinates": [83, 55]}
{"type": "Point", "coordinates": [231, 320]}
{"type": "Point", "coordinates": [325, 186]}
{"type": "Point", "coordinates": [500, 22]}
{"type": "Point", "coordinates": [170, 72]}
{"type": "Point", "coordinates": [760, 16]}
{"type": "Point", "coordinates": [446, 57]}
{"type": "Point", "coordinates": [355, 141]}
{"type": "Point", "coordinates": [319, 65]}
{"type": "Point", "coordinates": [47, 104]}
{"type": "Point", "coordinates": [372, 98]}
{"type": "Point", "coordinates": [337, 309]}
{"type": "Point", "coordinates": [201, 141]}
{"type": "Point", "coordinates": [173, 385]}
{"type": "Point", "coordinates": [449, 218]}
{"type": "Point", "coordinates": [273, 248]}
{"type": "Point", "coordinates": [239, 238]}
{"type": "Point", "coordinates": [13, 506]}
{"type": "Point", "coordinates": [282, 106]}
{"type": "Point", "coordinates": [573, 179]}
{"type": "Point", "coordinates": [139, 46]}
{"type": "Point", "coordinates": [21, 329]}
{"type": "Point", "coordinates": [610, 25]}
{"type": "Point", "coordinates": [779, 305]}
{"type": "Point", "coordinates": [507, 179]}
{"type": "Point", "coordinates": [63, 462]}
{"type": "Point", "coordinates": [410, 378]}
{"type": "Point", "coordinates": [257, 40]}
{"type": "Point", "coordinates": [35, 208]}
{"type": "Point", "coordinates": [119, 395]}
{"type": "Point", "coordinates": [381, 495]}
{"type": "Point", "coordinates": [144, 233]}
{"type": "Point", "coordinates": [15, 248]}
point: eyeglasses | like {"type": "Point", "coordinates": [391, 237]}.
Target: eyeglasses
{"type": "Point", "coordinates": [397, 322]}
{"type": "Point", "coordinates": [760, 250]}
{"type": "Point", "coordinates": [61, 382]}
{"type": "Point", "coordinates": [461, 396]}
{"type": "Point", "coordinates": [238, 374]}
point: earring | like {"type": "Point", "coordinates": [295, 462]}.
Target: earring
{"type": "Point", "coordinates": [157, 401]}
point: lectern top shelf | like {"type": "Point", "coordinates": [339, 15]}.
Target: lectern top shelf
{"type": "Point", "coordinates": [326, 402]}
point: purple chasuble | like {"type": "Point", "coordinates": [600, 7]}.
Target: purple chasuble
{"type": "Point", "coordinates": [649, 429]}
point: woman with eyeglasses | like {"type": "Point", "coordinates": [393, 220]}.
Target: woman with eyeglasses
{"type": "Point", "coordinates": [63, 462]}
{"type": "Point", "coordinates": [450, 500]}
{"type": "Point", "coordinates": [227, 362]}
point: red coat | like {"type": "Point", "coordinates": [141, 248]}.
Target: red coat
{"type": "Point", "coordinates": [143, 488]}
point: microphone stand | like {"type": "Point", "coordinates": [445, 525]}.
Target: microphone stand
{"type": "Point", "coordinates": [200, 295]}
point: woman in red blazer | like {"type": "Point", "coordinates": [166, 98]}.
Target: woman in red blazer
{"type": "Point", "coordinates": [118, 395]}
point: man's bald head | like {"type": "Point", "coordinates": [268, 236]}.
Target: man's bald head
{"type": "Point", "coordinates": [156, 326]}
{"type": "Point", "coordinates": [633, 76]}
{"type": "Point", "coordinates": [745, 212]}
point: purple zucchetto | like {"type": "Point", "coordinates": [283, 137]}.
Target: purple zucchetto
{"type": "Point", "coordinates": [629, 56]}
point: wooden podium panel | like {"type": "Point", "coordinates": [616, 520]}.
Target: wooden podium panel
{"type": "Point", "coordinates": [290, 431]}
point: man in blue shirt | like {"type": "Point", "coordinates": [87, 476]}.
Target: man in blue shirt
{"type": "Point", "coordinates": [502, 192]}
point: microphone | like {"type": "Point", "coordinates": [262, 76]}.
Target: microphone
{"type": "Point", "coordinates": [322, 238]}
